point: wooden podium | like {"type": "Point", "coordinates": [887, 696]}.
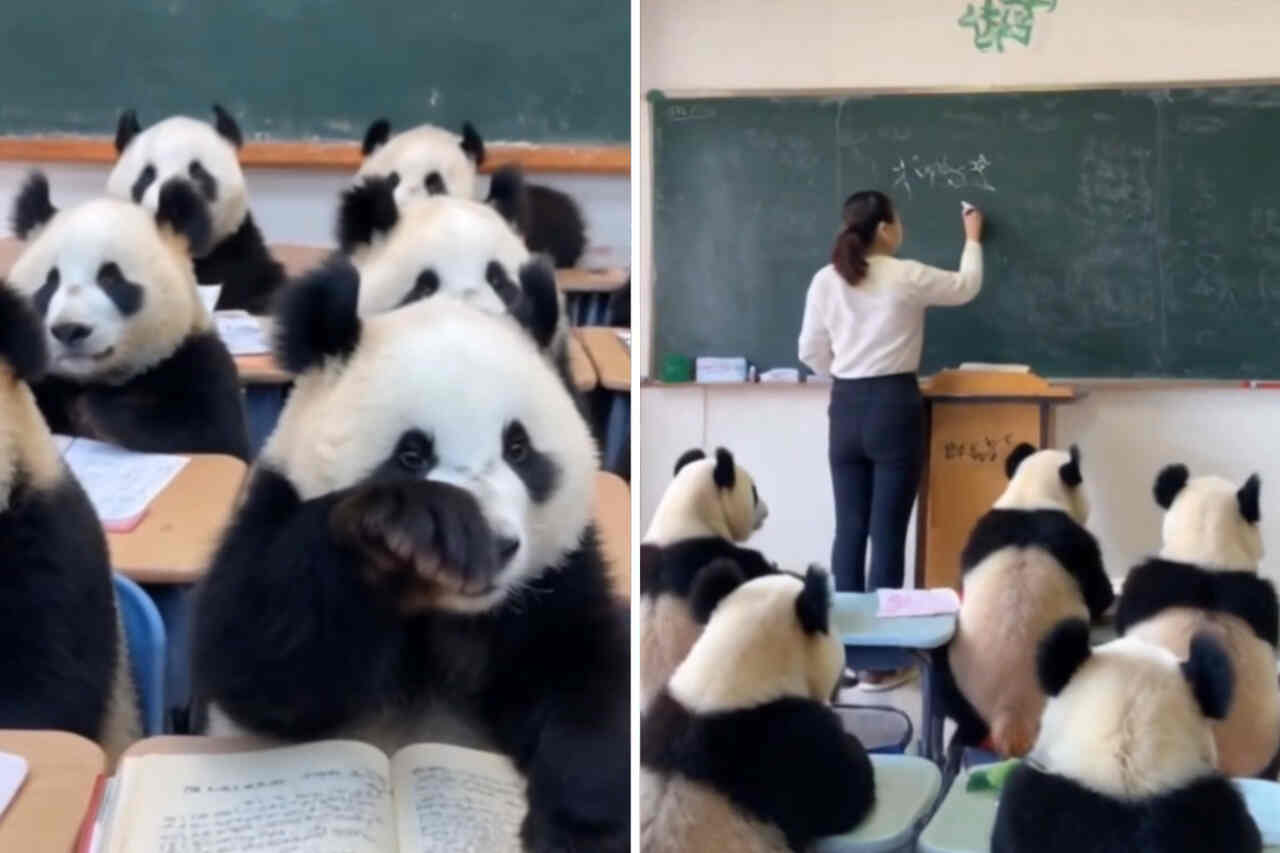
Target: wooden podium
{"type": "Point", "coordinates": [973, 419]}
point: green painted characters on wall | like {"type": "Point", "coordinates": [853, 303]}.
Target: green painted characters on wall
{"type": "Point", "coordinates": [998, 21]}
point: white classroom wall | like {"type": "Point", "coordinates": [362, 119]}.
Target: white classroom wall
{"type": "Point", "coordinates": [806, 46]}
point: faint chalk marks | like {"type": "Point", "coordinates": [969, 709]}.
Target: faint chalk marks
{"type": "Point", "coordinates": [690, 112]}
{"type": "Point", "coordinates": [1200, 124]}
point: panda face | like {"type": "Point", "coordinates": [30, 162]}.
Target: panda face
{"type": "Point", "coordinates": [708, 497]}
{"type": "Point", "coordinates": [423, 161]}
{"type": "Point", "coordinates": [441, 391]}
{"type": "Point", "coordinates": [443, 246]}
{"type": "Point", "coordinates": [116, 293]}
{"type": "Point", "coordinates": [1045, 479]}
{"type": "Point", "coordinates": [191, 151]}
{"type": "Point", "coordinates": [1209, 521]}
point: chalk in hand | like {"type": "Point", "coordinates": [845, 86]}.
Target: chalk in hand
{"type": "Point", "coordinates": [966, 208]}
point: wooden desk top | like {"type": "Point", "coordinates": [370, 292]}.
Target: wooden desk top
{"type": "Point", "coordinates": [613, 520]}
{"type": "Point", "coordinates": [578, 280]}
{"type": "Point", "coordinates": [48, 809]}
{"type": "Point", "coordinates": [176, 538]}
{"type": "Point", "coordinates": [611, 358]}
{"type": "Point", "coordinates": [581, 366]}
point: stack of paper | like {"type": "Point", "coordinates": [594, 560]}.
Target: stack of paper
{"type": "Point", "coordinates": [894, 603]}
{"type": "Point", "coordinates": [242, 332]}
{"type": "Point", "coordinates": [985, 367]}
{"type": "Point", "coordinates": [121, 484]}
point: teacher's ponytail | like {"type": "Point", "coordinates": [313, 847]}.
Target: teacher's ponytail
{"type": "Point", "coordinates": [863, 214]}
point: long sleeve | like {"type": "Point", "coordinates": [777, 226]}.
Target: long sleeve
{"type": "Point", "coordinates": [815, 339]}
{"type": "Point", "coordinates": [933, 286]}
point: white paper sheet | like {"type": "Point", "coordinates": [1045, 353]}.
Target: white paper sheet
{"type": "Point", "coordinates": [121, 484]}
{"type": "Point", "coordinates": [243, 333]}
{"type": "Point", "coordinates": [209, 294]}
{"type": "Point", "coordinates": [13, 771]}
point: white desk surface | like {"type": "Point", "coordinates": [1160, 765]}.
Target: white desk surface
{"type": "Point", "coordinates": [905, 788]}
{"type": "Point", "coordinates": [853, 615]}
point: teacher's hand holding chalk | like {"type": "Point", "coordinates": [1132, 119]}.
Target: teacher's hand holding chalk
{"type": "Point", "coordinates": [972, 221]}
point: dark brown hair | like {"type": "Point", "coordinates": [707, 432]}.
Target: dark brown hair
{"type": "Point", "coordinates": [863, 213]}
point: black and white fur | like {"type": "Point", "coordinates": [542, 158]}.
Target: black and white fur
{"type": "Point", "coordinates": [134, 357]}
{"type": "Point", "coordinates": [427, 161]}
{"type": "Point", "coordinates": [1125, 759]}
{"type": "Point", "coordinates": [711, 505]}
{"type": "Point", "coordinates": [415, 560]}
{"type": "Point", "coordinates": [64, 665]}
{"type": "Point", "coordinates": [206, 157]}
{"type": "Point", "coordinates": [1029, 564]}
{"type": "Point", "coordinates": [740, 751]}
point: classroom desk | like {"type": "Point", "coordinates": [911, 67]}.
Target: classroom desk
{"type": "Point", "coordinates": [581, 366]}
{"type": "Point", "coordinates": [613, 522]}
{"type": "Point", "coordinates": [49, 807]}
{"type": "Point", "coordinates": [587, 293]}
{"type": "Point", "coordinates": [612, 360]}
{"type": "Point", "coordinates": [874, 643]}
{"type": "Point", "coordinates": [906, 788]}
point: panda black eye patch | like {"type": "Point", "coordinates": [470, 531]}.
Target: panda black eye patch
{"type": "Point", "coordinates": [502, 284]}
{"type": "Point", "coordinates": [43, 296]}
{"type": "Point", "coordinates": [393, 180]}
{"type": "Point", "coordinates": [145, 178]}
{"type": "Point", "coordinates": [207, 183]}
{"type": "Point", "coordinates": [413, 457]}
{"type": "Point", "coordinates": [126, 295]}
{"type": "Point", "coordinates": [426, 285]}
{"type": "Point", "coordinates": [435, 184]}
{"type": "Point", "coordinates": [535, 469]}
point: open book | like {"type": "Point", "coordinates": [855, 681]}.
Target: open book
{"type": "Point", "coordinates": [121, 483]}
{"type": "Point", "coordinates": [324, 797]}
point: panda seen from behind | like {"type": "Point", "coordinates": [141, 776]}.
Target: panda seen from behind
{"type": "Point", "coordinates": [415, 560]}
{"type": "Point", "coordinates": [134, 357]}
{"type": "Point", "coordinates": [205, 157]}
{"type": "Point", "coordinates": [1205, 580]}
{"type": "Point", "coordinates": [1125, 760]}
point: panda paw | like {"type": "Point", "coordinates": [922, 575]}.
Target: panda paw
{"type": "Point", "coordinates": [420, 540]}
{"type": "Point", "coordinates": [543, 832]}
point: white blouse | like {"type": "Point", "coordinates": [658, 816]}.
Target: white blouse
{"type": "Point", "coordinates": [876, 327]}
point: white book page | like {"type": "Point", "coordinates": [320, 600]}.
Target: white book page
{"type": "Point", "coordinates": [13, 771]}
{"type": "Point", "coordinates": [328, 797]}
{"type": "Point", "coordinates": [242, 332]}
{"type": "Point", "coordinates": [209, 294]}
{"type": "Point", "coordinates": [451, 799]}
{"type": "Point", "coordinates": [120, 483]}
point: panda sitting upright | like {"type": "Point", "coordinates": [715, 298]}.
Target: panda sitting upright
{"type": "Point", "coordinates": [1028, 565]}
{"type": "Point", "coordinates": [204, 156]}
{"type": "Point", "coordinates": [428, 161]}
{"type": "Point", "coordinates": [1206, 580]}
{"type": "Point", "coordinates": [135, 360]}
{"type": "Point", "coordinates": [739, 751]}
{"type": "Point", "coordinates": [1125, 760]}
{"type": "Point", "coordinates": [415, 560]}
{"type": "Point", "coordinates": [64, 664]}
{"type": "Point", "coordinates": [709, 506]}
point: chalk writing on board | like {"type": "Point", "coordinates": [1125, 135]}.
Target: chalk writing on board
{"type": "Point", "coordinates": [940, 172]}
{"type": "Point", "coordinates": [986, 449]}
{"type": "Point", "coordinates": [997, 21]}
{"type": "Point", "coordinates": [689, 112]}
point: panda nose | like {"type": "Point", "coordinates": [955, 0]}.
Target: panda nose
{"type": "Point", "coordinates": [71, 333]}
{"type": "Point", "coordinates": [507, 548]}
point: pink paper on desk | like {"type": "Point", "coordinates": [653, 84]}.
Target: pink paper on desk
{"type": "Point", "coordinates": [916, 602]}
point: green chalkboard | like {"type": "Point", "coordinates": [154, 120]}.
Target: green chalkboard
{"type": "Point", "coordinates": [1131, 233]}
{"type": "Point", "coordinates": [552, 71]}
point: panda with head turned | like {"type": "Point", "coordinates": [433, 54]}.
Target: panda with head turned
{"type": "Point", "coordinates": [64, 665]}
{"type": "Point", "coordinates": [711, 504]}
{"type": "Point", "coordinates": [740, 751]}
{"type": "Point", "coordinates": [443, 245]}
{"type": "Point", "coordinates": [205, 157]}
{"type": "Point", "coordinates": [1125, 759]}
{"type": "Point", "coordinates": [415, 560]}
{"type": "Point", "coordinates": [1206, 580]}
{"type": "Point", "coordinates": [1028, 565]}
{"type": "Point", "coordinates": [134, 357]}
{"type": "Point", "coordinates": [428, 161]}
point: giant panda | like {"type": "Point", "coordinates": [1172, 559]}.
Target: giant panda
{"type": "Point", "coordinates": [740, 751]}
{"type": "Point", "coordinates": [427, 161]}
{"type": "Point", "coordinates": [445, 245]}
{"type": "Point", "coordinates": [1125, 759]}
{"type": "Point", "coordinates": [1029, 564]}
{"type": "Point", "coordinates": [205, 156]}
{"type": "Point", "coordinates": [711, 504]}
{"type": "Point", "coordinates": [135, 359]}
{"type": "Point", "coordinates": [415, 560]}
{"type": "Point", "coordinates": [65, 665]}
{"type": "Point", "coordinates": [1206, 580]}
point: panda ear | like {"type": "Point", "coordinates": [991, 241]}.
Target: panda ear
{"type": "Point", "coordinates": [726, 471]}
{"type": "Point", "coordinates": [1061, 653]}
{"type": "Point", "coordinates": [813, 606]}
{"type": "Point", "coordinates": [377, 135]}
{"type": "Point", "coordinates": [1247, 497]}
{"type": "Point", "coordinates": [1019, 453]}
{"type": "Point", "coordinates": [32, 208]}
{"type": "Point", "coordinates": [226, 126]}
{"type": "Point", "coordinates": [366, 209]}
{"type": "Point", "coordinates": [540, 302]}
{"type": "Point", "coordinates": [472, 145]}
{"type": "Point", "coordinates": [1070, 471]}
{"type": "Point", "coordinates": [1169, 482]}
{"type": "Point", "coordinates": [509, 196]}
{"type": "Point", "coordinates": [316, 317]}
{"type": "Point", "coordinates": [127, 127]}
{"type": "Point", "coordinates": [691, 455]}
{"type": "Point", "coordinates": [183, 211]}
{"type": "Point", "coordinates": [711, 584]}
{"type": "Point", "coordinates": [1208, 671]}
{"type": "Point", "coordinates": [21, 338]}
